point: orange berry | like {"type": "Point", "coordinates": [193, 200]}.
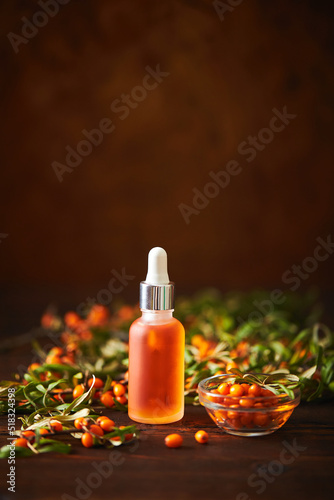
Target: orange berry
{"type": "Point", "coordinates": [34, 366]}
{"type": "Point", "coordinates": [236, 423]}
{"type": "Point", "coordinates": [254, 390]}
{"type": "Point", "coordinates": [126, 313]}
{"type": "Point", "coordinates": [266, 393]}
{"type": "Point", "coordinates": [21, 442]}
{"type": "Point", "coordinates": [245, 388]}
{"type": "Point", "coordinates": [107, 399]}
{"type": "Point", "coordinates": [96, 429]}
{"type": "Point", "coordinates": [119, 390]}
{"type": "Point", "coordinates": [202, 437]}
{"type": "Point", "coordinates": [78, 391]}
{"type": "Point", "coordinates": [121, 399]}
{"type": "Point", "coordinates": [86, 335]}
{"type": "Point", "coordinates": [80, 422]}
{"type": "Point", "coordinates": [246, 419]}
{"type": "Point", "coordinates": [233, 414]}
{"type": "Point", "coordinates": [28, 434]}
{"type": "Point", "coordinates": [43, 431]}
{"type": "Point", "coordinates": [224, 389]}
{"type": "Point", "coordinates": [56, 426]}
{"type": "Point", "coordinates": [246, 402]}
{"type": "Point", "coordinates": [51, 359]}
{"type": "Point", "coordinates": [261, 419]}
{"type": "Point", "coordinates": [72, 319]}
{"type": "Point", "coordinates": [231, 365]}
{"type": "Point", "coordinates": [98, 383]}
{"type": "Point", "coordinates": [107, 425]}
{"type": "Point", "coordinates": [99, 419]}
{"type": "Point", "coordinates": [197, 340]}
{"type": "Point", "coordinates": [173, 440]}
{"type": "Point", "coordinates": [67, 360]}
{"type": "Point", "coordinates": [98, 315]}
{"type": "Point", "coordinates": [56, 351]}
{"type": "Point", "coordinates": [47, 320]}
{"type": "Point", "coordinates": [87, 440]}
{"type": "Point", "coordinates": [236, 390]}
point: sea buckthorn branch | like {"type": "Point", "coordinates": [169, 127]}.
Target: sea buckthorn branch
{"type": "Point", "coordinates": [88, 369]}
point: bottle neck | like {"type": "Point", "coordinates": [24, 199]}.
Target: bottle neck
{"type": "Point", "coordinates": [157, 316]}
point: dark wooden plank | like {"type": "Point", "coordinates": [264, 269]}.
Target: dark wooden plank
{"type": "Point", "coordinates": [224, 468]}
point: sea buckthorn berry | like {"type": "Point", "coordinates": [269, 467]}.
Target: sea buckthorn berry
{"type": "Point", "coordinates": [78, 391]}
{"type": "Point", "coordinates": [98, 315]}
{"type": "Point", "coordinates": [79, 423]}
{"type": "Point", "coordinates": [121, 399]}
{"type": "Point", "coordinates": [99, 419]}
{"type": "Point", "coordinates": [233, 414]}
{"type": "Point", "coordinates": [202, 437]}
{"type": "Point", "coordinates": [261, 419]}
{"type": "Point", "coordinates": [246, 402]}
{"type": "Point", "coordinates": [51, 359]}
{"type": "Point", "coordinates": [107, 399]}
{"type": "Point", "coordinates": [107, 425]}
{"type": "Point", "coordinates": [87, 440]}
{"type": "Point", "coordinates": [173, 440]}
{"type": "Point", "coordinates": [119, 390]}
{"type": "Point", "coordinates": [28, 434]}
{"type": "Point", "coordinates": [56, 351]}
{"type": "Point", "coordinates": [224, 389]}
{"type": "Point", "coordinates": [236, 423]}
{"type": "Point", "coordinates": [197, 340]}
{"type": "Point", "coordinates": [220, 415]}
{"type": "Point", "coordinates": [245, 388]}
{"type": "Point", "coordinates": [231, 365]}
{"type": "Point", "coordinates": [43, 431]}
{"type": "Point", "coordinates": [56, 426]}
{"type": "Point", "coordinates": [21, 442]}
{"type": "Point", "coordinates": [236, 390]}
{"type": "Point", "coordinates": [266, 393]}
{"type": "Point", "coordinates": [98, 383]}
{"type": "Point", "coordinates": [246, 419]}
{"type": "Point", "coordinates": [67, 360]}
{"type": "Point", "coordinates": [254, 390]}
{"type": "Point", "coordinates": [96, 429]}
{"type": "Point", "coordinates": [86, 335]}
{"type": "Point", "coordinates": [72, 319]}
{"type": "Point", "coordinates": [34, 366]}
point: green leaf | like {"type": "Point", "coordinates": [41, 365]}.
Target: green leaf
{"type": "Point", "coordinates": [47, 445]}
{"type": "Point", "coordinates": [26, 392]}
{"type": "Point", "coordinates": [120, 406]}
{"type": "Point", "coordinates": [288, 391]}
{"type": "Point", "coordinates": [202, 374]}
{"type": "Point", "coordinates": [107, 384]}
{"type": "Point", "coordinates": [20, 451]}
{"type": "Point", "coordinates": [81, 399]}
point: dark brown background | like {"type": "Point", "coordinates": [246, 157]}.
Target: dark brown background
{"type": "Point", "coordinates": [225, 79]}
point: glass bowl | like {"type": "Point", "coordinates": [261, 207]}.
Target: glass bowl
{"type": "Point", "coordinates": [245, 415]}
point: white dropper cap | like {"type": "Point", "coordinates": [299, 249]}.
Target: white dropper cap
{"type": "Point", "coordinates": [157, 273]}
{"type": "Point", "coordinates": [157, 292]}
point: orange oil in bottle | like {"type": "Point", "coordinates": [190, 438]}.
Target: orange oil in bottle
{"type": "Point", "coordinates": [156, 368]}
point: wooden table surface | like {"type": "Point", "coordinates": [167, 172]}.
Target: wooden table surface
{"type": "Point", "coordinates": [227, 468]}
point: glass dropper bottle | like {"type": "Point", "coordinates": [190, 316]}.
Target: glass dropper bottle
{"type": "Point", "coordinates": [156, 350]}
